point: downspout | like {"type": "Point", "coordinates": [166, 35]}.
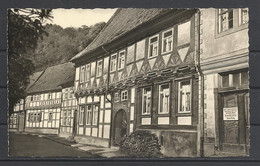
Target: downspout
{"type": "Point", "coordinates": [199, 70]}
{"type": "Point", "coordinates": [111, 114]}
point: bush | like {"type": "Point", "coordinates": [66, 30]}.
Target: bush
{"type": "Point", "coordinates": [140, 143]}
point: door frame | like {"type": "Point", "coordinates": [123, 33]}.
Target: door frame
{"type": "Point", "coordinates": [220, 116]}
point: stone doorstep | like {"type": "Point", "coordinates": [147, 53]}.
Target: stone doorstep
{"type": "Point", "coordinates": [77, 145]}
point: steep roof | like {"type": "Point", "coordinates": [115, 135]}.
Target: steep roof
{"type": "Point", "coordinates": [123, 21]}
{"type": "Point", "coordinates": [33, 78]}
{"type": "Point", "coordinates": [53, 77]}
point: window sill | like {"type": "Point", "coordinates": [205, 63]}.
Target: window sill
{"type": "Point", "coordinates": [231, 30]}
{"type": "Point", "coordinates": [184, 114]}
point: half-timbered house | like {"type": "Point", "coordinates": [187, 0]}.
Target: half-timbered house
{"type": "Point", "coordinates": [140, 74]}
{"type": "Point", "coordinates": [44, 99]}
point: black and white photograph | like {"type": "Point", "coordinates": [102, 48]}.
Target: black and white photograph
{"type": "Point", "coordinates": [128, 82]}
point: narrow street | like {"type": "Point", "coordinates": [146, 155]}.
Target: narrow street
{"type": "Point", "coordinates": [25, 145]}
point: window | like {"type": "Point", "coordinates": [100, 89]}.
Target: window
{"type": "Point", "coordinates": [113, 63]}
{"type": "Point", "coordinates": [81, 115]}
{"type": "Point", "coordinates": [49, 96]}
{"type": "Point", "coordinates": [50, 116]}
{"type": "Point", "coordinates": [236, 78]}
{"type": "Point", "coordinates": [164, 95]}
{"type": "Point", "coordinates": [87, 74]}
{"type": "Point", "coordinates": [153, 46]}
{"type": "Point", "coordinates": [184, 97]}
{"type": "Point", "coordinates": [99, 68]}
{"type": "Point", "coordinates": [82, 71]}
{"type": "Point", "coordinates": [124, 95]}
{"type": "Point", "coordinates": [146, 101]}
{"type": "Point", "coordinates": [66, 118]}
{"type": "Point", "coordinates": [121, 60]}
{"type": "Point", "coordinates": [38, 117]}
{"type": "Point", "coordinates": [116, 97]}
{"type": "Point", "coordinates": [225, 19]}
{"type": "Point", "coordinates": [88, 116]}
{"type": "Point", "coordinates": [243, 16]}
{"type": "Point", "coordinates": [167, 41]}
{"type": "Point", "coordinates": [95, 115]}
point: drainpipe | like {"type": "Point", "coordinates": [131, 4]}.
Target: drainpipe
{"type": "Point", "coordinates": [111, 114]}
{"type": "Point", "coordinates": [199, 70]}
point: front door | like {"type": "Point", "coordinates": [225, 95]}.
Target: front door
{"type": "Point", "coordinates": [234, 123]}
{"type": "Point", "coordinates": [21, 122]}
{"type": "Point", "coordinates": [120, 126]}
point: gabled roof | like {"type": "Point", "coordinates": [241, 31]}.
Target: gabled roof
{"type": "Point", "coordinates": [33, 78]}
{"type": "Point", "coordinates": [53, 77]}
{"type": "Point", "coordinates": [123, 21]}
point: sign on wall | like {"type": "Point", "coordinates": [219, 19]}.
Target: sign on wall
{"type": "Point", "coordinates": [230, 113]}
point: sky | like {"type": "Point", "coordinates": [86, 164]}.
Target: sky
{"type": "Point", "coordinates": [78, 17]}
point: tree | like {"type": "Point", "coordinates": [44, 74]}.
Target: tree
{"type": "Point", "coordinates": [24, 29]}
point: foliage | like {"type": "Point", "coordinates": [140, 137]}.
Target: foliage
{"type": "Point", "coordinates": [141, 143]}
{"type": "Point", "coordinates": [62, 44]}
{"type": "Point", "coordinates": [24, 29]}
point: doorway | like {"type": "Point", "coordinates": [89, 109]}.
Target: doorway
{"type": "Point", "coordinates": [234, 123]}
{"type": "Point", "coordinates": [120, 126]}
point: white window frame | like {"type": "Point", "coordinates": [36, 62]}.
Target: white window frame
{"type": "Point", "coordinates": [241, 16]}
{"type": "Point", "coordinates": [164, 93]}
{"type": "Point", "coordinates": [82, 74]}
{"type": "Point", "coordinates": [153, 44]}
{"type": "Point", "coordinates": [121, 59]}
{"type": "Point", "coordinates": [81, 115]}
{"type": "Point", "coordinates": [95, 109]}
{"type": "Point", "coordinates": [180, 97]}
{"type": "Point", "coordinates": [124, 95]}
{"type": "Point", "coordinates": [220, 22]}
{"type": "Point", "coordinates": [87, 73]}
{"type": "Point", "coordinates": [50, 116]}
{"type": "Point", "coordinates": [113, 62]}
{"type": "Point", "coordinates": [144, 104]}
{"type": "Point", "coordinates": [99, 67]}
{"type": "Point", "coordinates": [88, 115]}
{"type": "Point", "coordinates": [167, 38]}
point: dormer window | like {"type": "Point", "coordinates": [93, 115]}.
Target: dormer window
{"type": "Point", "coordinates": [153, 46]}
{"type": "Point", "coordinates": [167, 41]}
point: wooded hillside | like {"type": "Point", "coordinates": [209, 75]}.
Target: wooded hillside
{"type": "Point", "coordinates": [60, 45]}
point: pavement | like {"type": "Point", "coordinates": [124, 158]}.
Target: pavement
{"type": "Point", "coordinates": [57, 147]}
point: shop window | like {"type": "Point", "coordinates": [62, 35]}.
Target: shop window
{"type": "Point", "coordinates": [167, 41]}
{"type": "Point", "coordinates": [87, 73]}
{"type": "Point", "coordinates": [99, 68]}
{"type": "Point", "coordinates": [121, 60]}
{"type": "Point", "coordinates": [124, 95]}
{"type": "Point", "coordinates": [225, 19]}
{"type": "Point", "coordinates": [243, 16]}
{"type": "Point", "coordinates": [164, 98]}
{"type": "Point", "coordinates": [146, 101]}
{"type": "Point", "coordinates": [82, 72]}
{"type": "Point", "coordinates": [113, 62]}
{"type": "Point", "coordinates": [81, 115]}
{"type": "Point", "coordinates": [153, 46]}
{"type": "Point", "coordinates": [184, 97]}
